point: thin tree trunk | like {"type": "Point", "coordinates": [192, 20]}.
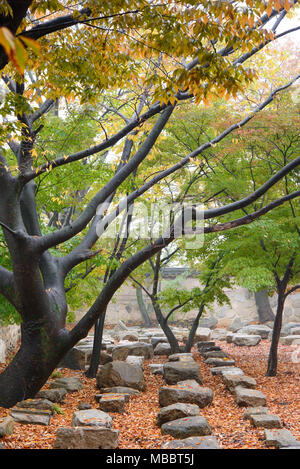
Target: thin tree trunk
{"type": "Point", "coordinates": [273, 353]}
{"type": "Point", "coordinates": [97, 346]}
{"type": "Point", "coordinates": [193, 329]}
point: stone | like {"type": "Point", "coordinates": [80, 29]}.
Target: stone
{"type": "Point", "coordinates": [105, 358]}
{"type": "Point", "coordinates": [43, 404]}
{"type": "Point", "coordinates": [181, 357]}
{"type": "Point", "coordinates": [129, 335]}
{"type": "Point", "coordinates": [157, 340]}
{"type": "Point", "coordinates": [110, 402]}
{"type": "Point", "coordinates": [156, 368]}
{"type": "Point", "coordinates": [236, 324]}
{"type": "Point", "coordinates": [295, 331]}
{"type": "Point", "coordinates": [208, 322]}
{"type": "Point", "coordinates": [256, 329]}
{"type": "Point", "coordinates": [31, 416]}
{"type": "Point", "coordinates": [215, 354]}
{"type": "Point", "coordinates": [53, 395]}
{"type": "Point", "coordinates": [77, 358]}
{"type": "Point", "coordinates": [249, 397]}
{"type": "Point", "coordinates": [162, 349]}
{"type": "Point", "coordinates": [289, 339]}
{"type": "Point", "coordinates": [205, 344]}
{"type": "Point", "coordinates": [91, 418]}
{"type": "Point", "coordinates": [121, 390]}
{"type": "Point", "coordinates": [219, 362]}
{"type": "Point", "coordinates": [280, 438]}
{"type": "Point", "coordinates": [202, 334]}
{"type": "Point", "coordinates": [286, 328]}
{"type": "Point", "coordinates": [265, 420]}
{"type": "Point", "coordinates": [186, 427]}
{"type": "Point", "coordinates": [176, 411]}
{"type": "Point", "coordinates": [180, 371]}
{"type": "Point", "coordinates": [134, 360]}
{"type": "Point", "coordinates": [231, 381]}
{"type": "Point", "coordinates": [84, 406]}
{"type": "Point", "coordinates": [193, 442]}
{"type": "Point", "coordinates": [229, 337]}
{"type": "Point", "coordinates": [140, 349]}
{"type": "Point", "coordinates": [246, 340]}
{"type": "Point", "coordinates": [119, 373]}
{"type": "Point", "coordinates": [254, 411]}
{"type": "Point", "coordinates": [188, 391]}
{"type": "Point", "coordinates": [219, 370]}
{"type": "Point", "coordinates": [219, 334]}
{"type": "Point", "coordinates": [7, 426]}
{"type": "Point", "coordinates": [86, 438]}
{"type": "Point", "coordinates": [71, 384]}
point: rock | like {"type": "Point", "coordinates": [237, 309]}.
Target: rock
{"type": "Point", "coordinates": [105, 358]}
{"type": "Point", "coordinates": [246, 340]}
{"type": "Point", "coordinates": [249, 397]}
{"type": "Point", "coordinates": [162, 349]}
{"type": "Point", "coordinates": [205, 344]}
{"type": "Point", "coordinates": [286, 328]}
{"type": "Point", "coordinates": [121, 390]}
{"type": "Point", "coordinates": [219, 370]}
{"type": "Point", "coordinates": [129, 335]}
{"type": "Point", "coordinates": [229, 337]}
{"type": "Point", "coordinates": [176, 411]}
{"type": "Point", "coordinates": [180, 371]}
{"type": "Point", "coordinates": [7, 426]}
{"type": "Point", "coordinates": [186, 427]}
{"type": "Point", "coordinates": [280, 438]}
{"type": "Point", "coordinates": [295, 331]}
{"type": "Point", "coordinates": [231, 381]}
{"type": "Point", "coordinates": [157, 340]}
{"type": "Point", "coordinates": [84, 406]}
{"type": "Point", "coordinates": [53, 395]}
{"type": "Point", "coordinates": [254, 411]}
{"type": "Point", "coordinates": [86, 438]}
{"type": "Point", "coordinates": [181, 357]}
{"type": "Point", "coordinates": [91, 418]}
{"type": "Point", "coordinates": [133, 360]}
{"type": "Point", "coordinates": [140, 349]}
{"type": "Point", "coordinates": [118, 373]}
{"type": "Point", "coordinates": [43, 404]}
{"type": "Point", "coordinates": [236, 324]}
{"type": "Point", "coordinates": [219, 362]}
{"type": "Point", "coordinates": [289, 339]}
{"type": "Point", "coordinates": [156, 368]}
{"type": "Point", "coordinates": [71, 384]}
{"type": "Point", "coordinates": [208, 322]}
{"type": "Point", "coordinates": [31, 416]}
{"type": "Point", "coordinates": [188, 391]}
{"type": "Point", "coordinates": [193, 442]}
{"type": "Point", "coordinates": [77, 358]}
{"type": "Point", "coordinates": [110, 402]}
{"type": "Point", "coordinates": [265, 420]}
{"type": "Point", "coordinates": [202, 334]}
{"type": "Point", "coordinates": [256, 329]}
{"type": "Point", "coordinates": [219, 334]}
{"type": "Point", "coordinates": [215, 354]}
{"type": "Point", "coordinates": [2, 351]}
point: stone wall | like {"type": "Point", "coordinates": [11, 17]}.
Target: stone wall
{"type": "Point", "coordinates": [125, 306]}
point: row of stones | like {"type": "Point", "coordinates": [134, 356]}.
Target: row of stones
{"type": "Point", "coordinates": [243, 388]}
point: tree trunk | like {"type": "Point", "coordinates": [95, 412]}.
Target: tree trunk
{"type": "Point", "coordinates": [165, 327]}
{"type": "Point", "coordinates": [193, 329]}
{"type": "Point", "coordinates": [97, 346]}
{"type": "Point", "coordinates": [41, 350]}
{"type": "Point", "coordinates": [264, 309]}
{"type": "Point", "coordinates": [273, 353]}
{"type": "Point", "coordinates": [142, 307]}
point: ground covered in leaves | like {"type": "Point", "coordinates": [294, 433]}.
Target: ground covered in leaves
{"type": "Point", "coordinates": [137, 426]}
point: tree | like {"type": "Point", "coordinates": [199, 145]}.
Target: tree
{"type": "Point", "coordinates": [98, 51]}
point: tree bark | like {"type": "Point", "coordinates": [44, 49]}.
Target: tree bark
{"type": "Point", "coordinates": [193, 329]}
{"type": "Point", "coordinates": [142, 307]}
{"type": "Point", "coordinates": [42, 348]}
